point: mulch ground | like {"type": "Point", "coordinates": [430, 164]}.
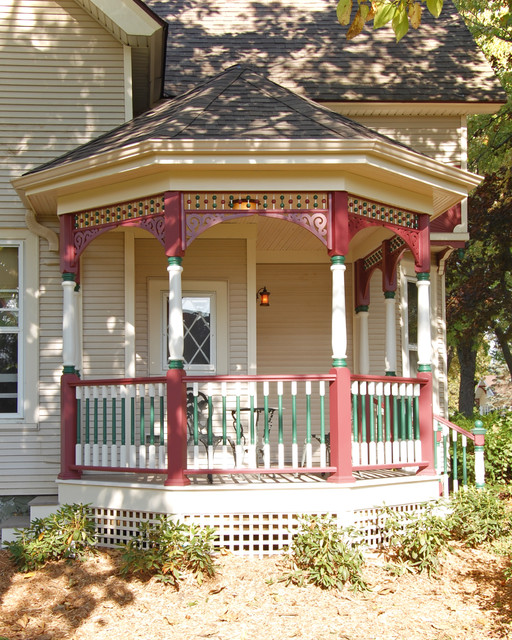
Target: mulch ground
{"type": "Point", "coordinates": [468, 600]}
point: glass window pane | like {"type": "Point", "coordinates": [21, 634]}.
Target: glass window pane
{"type": "Point", "coordinates": [9, 268]}
{"type": "Point", "coordinates": [8, 373]}
{"type": "Point", "coordinates": [197, 327]}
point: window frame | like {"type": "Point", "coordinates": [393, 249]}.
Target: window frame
{"type": "Point", "coordinates": [27, 416]}
{"type": "Point", "coordinates": [18, 330]}
{"type": "Point", "coordinates": [158, 293]}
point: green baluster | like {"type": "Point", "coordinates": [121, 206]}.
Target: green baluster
{"type": "Point", "coordinates": [416, 418]}
{"type": "Point", "coordinates": [464, 462]}
{"type": "Point", "coordinates": [224, 414]}
{"type": "Point", "coordinates": [87, 416]}
{"type": "Point", "coordinates": [379, 419]}
{"type": "Point", "coordinates": [196, 418]}
{"type": "Point", "coordinates": [252, 426]}
{"type": "Point", "coordinates": [142, 416]}
{"type": "Point", "coordinates": [322, 412]}
{"type": "Point", "coordinates": [387, 413]}
{"type": "Point", "coordinates": [104, 405]}
{"type": "Point", "coordinates": [372, 414]}
{"type": "Point", "coordinates": [78, 416]}
{"type": "Point", "coordinates": [162, 418]}
{"type": "Point", "coordinates": [123, 420]}
{"type": "Point", "coordinates": [355, 419]}
{"type": "Point", "coordinates": [95, 419]}
{"type": "Point", "coordinates": [364, 435]}
{"type": "Point", "coordinates": [114, 416]}
{"type": "Point", "coordinates": [132, 420]}
{"type": "Point", "coordinates": [454, 461]}
{"type": "Point", "coordinates": [265, 405]}
{"type": "Point", "coordinates": [151, 415]}
{"type": "Point", "coordinates": [210, 419]}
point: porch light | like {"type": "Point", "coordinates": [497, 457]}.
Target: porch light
{"type": "Point", "coordinates": [264, 297]}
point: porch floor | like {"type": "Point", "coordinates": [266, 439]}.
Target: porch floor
{"type": "Point", "coordinates": [263, 479]}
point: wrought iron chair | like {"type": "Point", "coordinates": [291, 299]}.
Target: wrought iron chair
{"type": "Point", "coordinates": [203, 415]}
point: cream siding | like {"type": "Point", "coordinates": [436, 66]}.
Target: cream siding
{"type": "Point", "coordinates": [102, 285]}
{"type": "Point", "coordinates": [62, 84]}
{"type": "Point", "coordinates": [437, 137]}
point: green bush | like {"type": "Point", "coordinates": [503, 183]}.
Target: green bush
{"type": "Point", "coordinates": [478, 516]}
{"type": "Point", "coordinates": [68, 533]}
{"type": "Point", "coordinates": [414, 541]}
{"type": "Point", "coordinates": [168, 548]}
{"type": "Point", "coordinates": [325, 555]}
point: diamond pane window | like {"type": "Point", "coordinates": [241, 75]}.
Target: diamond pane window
{"type": "Point", "coordinates": [197, 326]}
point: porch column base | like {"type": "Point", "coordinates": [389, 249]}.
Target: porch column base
{"type": "Point", "coordinates": [68, 427]}
{"type": "Point", "coordinates": [341, 427]}
{"type": "Point", "coordinates": [176, 429]}
{"type": "Point", "coordinates": [427, 435]}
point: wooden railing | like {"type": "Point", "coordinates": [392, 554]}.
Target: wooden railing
{"type": "Point", "coordinates": [182, 425]}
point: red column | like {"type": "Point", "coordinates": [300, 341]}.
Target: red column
{"type": "Point", "coordinates": [176, 429]}
{"type": "Point", "coordinates": [341, 426]}
{"type": "Point", "coordinates": [68, 427]}
{"type": "Point", "coordinates": [426, 423]}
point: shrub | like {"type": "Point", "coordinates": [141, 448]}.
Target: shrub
{"type": "Point", "coordinates": [68, 533]}
{"type": "Point", "coordinates": [479, 516]}
{"type": "Point", "coordinates": [168, 548]}
{"type": "Point", "coordinates": [414, 541]}
{"type": "Point", "coordinates": [325, 555]}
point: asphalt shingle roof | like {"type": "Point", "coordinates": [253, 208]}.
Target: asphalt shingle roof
{"type": "Point", "coordinates": [237, 104]}
{"type": "Point", "coordinates": [300, 45]}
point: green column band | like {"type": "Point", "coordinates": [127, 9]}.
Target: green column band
{"type": "Point", "coordinates": [174, 260]}
{"type": "Point", "coordinates": [389, 295]}
{"type": "Point", "coordinates": [68, 277]}
{"type": "Point", "coordinates": [423, 276]}
{"type": "Point", "coordinates": [424, 368]}
{"type": "Point", "coordinates": [337, 259]}
{"type": "Point", "coordinates": [176, 364]}
{"type": "Point", "coordinates": [362, 307]}
{"type": "Point", "coordinates": [339, 362]}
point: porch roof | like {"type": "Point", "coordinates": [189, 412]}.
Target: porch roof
{"type": "Point", "coordinates": [236, 121]}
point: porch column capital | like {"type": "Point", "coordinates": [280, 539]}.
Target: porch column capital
{"type": "Point", "coordinates": [176, 338]}
{"type": "Point", "coordinates": [339, 321]}
{"type": "Point", "coordinates": [424, 332]}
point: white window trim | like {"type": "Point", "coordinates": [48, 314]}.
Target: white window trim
{"type": "Point", "coordinates": [158, 288]}
{"type": "Point", "coordinates": [28, 347]}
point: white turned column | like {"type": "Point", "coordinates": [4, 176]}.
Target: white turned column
{"type": "Point", "coordinates": [424, 337]}
{"type": "Point", "coordinates": [175, 313]}
{"type": "Point", "coordinates": [69, 320]}
{"type": "Point", "coordinates": [390, 357]}
{"type": "Point", "coordinates": [364, 340]}
{"type": "Point", "coordinates": [339, 321]}
{"type": "Point", "coordinates": [78, 328]}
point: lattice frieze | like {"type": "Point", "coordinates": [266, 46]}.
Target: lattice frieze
{"type": "Point", "coordinates": [373, 260]}
{"type": "Point", "coordinates": [121, 212]}
{"type": "Point", "coordinates": [375, 211]}
{"type": "Point", "coordinates": [254, 201]}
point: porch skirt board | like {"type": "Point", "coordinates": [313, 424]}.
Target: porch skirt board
{"type": "Point", "coordinates": [254, 518]}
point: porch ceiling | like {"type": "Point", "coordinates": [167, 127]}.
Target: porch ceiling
{"type": "Point", "coordinates": [242, 131]}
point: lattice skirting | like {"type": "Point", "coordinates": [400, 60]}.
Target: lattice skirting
{"type": "Point", "coordinates": [254, 534]}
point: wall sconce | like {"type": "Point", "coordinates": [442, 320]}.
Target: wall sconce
{"type": "Point", "coordinates": [264, 297]}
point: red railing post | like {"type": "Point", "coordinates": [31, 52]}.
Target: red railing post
{"type": "Point", "coordinates": [176, 429]}
{"type": "Point", "coordinates": [426, 411]}
{"type": "Point", "coordinates": [68, 417]}
{"type": "Point", "coordinates": [341, 426]}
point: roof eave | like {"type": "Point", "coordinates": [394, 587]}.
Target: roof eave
{"type": "Point", "coordinates": [150, 156]}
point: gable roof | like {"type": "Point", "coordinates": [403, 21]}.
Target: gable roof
{"type": "Point", "coordinates": [300, 45]}
{"type": "Point", "coordinates": [238, 104]}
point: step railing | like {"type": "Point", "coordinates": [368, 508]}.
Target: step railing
{"type": "Point", "coordinates": [451, 443]}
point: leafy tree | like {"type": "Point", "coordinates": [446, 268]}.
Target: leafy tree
{"type": "Point", "coordinates": [401, 14]}
{"type": "Point", "coordinates": [479, 280]}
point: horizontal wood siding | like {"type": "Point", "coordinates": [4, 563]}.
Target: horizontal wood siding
{"type": "Point", "coordinates": [102, 285]}
{"type": "Point", "coordinates": [62, 85]}
{"type": "Point", "coordinates": [377, 326]}
{"type": "Point", "coordinates": [437, 137]}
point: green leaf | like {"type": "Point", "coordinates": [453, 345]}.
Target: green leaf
{"type": "Point", "coordinates": [383, 15]}
{"type": "Point", "coordinates": [343, 11]}
{"type": "Point", "coordinates": [400, 23]}
{"type": "Point", "coordinates": [435, 6]}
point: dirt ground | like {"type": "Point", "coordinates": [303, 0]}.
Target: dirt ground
{"type": "Point", "coordinates": [468, 600]}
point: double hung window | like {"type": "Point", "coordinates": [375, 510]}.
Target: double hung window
{"type": "Point", "coordinates": [10, 329]}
